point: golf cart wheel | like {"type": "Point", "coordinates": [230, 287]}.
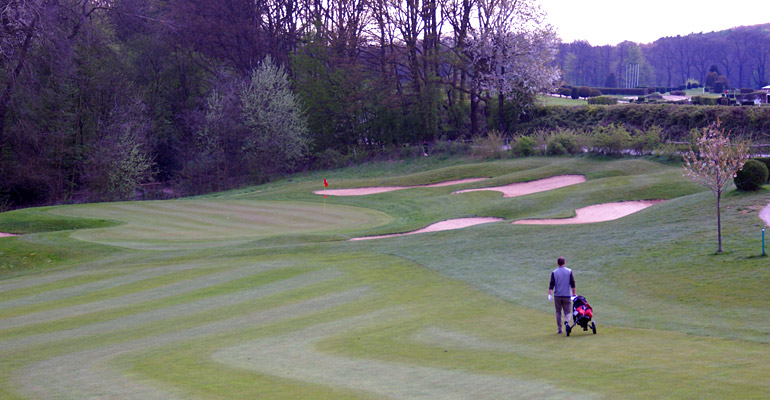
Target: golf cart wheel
{"type": "Point", "coordinates": [593, 327]}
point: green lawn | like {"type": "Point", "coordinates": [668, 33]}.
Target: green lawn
{"type": "Point", "coordinates": [560, 101]}
{"type": "Point", "coordinates": [256, 293]}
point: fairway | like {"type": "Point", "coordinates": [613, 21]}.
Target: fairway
{"type": "Point", "coordinates": [260, 293]}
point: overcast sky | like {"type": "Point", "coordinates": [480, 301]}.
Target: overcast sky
{"type": "Point", "coordinates": [603, 22]}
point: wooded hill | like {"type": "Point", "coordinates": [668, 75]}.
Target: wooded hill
{"type": "Point", "coordinates": [740, 55]}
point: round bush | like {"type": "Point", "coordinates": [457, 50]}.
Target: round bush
{"type": "Point", "coordinates": [752, 176]}
{"type": "Point", "coordinates": [766, 161]}
{"type": "Point", "coordinates": [525, 146]}
{"type": "Point", "coordinates": [555, 149]}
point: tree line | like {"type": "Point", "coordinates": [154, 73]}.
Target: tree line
{"type": "Point", "coordinates": [98, 98]}
{"type": "Point", "coordinates": [739, 56]}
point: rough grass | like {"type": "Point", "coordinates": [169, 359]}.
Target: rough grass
{"type": "Point", "coordinates": [278, 304]}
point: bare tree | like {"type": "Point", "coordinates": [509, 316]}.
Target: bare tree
{"type": "Point", "coordinates": [740, 46]}
{"type": "Point", "coordinates": [715, 163]}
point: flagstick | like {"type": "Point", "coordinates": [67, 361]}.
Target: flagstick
{"type": "Point", "coordinates": [326, 185]}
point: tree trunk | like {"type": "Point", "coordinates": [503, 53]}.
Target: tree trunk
{"type": "Point", "coordinates": [719, 222]}
{"type": "Point", "coordinates": [500, 102]}
{"type": "Point", "coordinates": [5, 100]}
{"type": "Point", "coordinates": [474, 112]}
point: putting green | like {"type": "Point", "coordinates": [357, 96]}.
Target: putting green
{"type": "Point", "coordinates": [212, 223]}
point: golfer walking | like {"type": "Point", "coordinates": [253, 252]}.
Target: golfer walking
{"type": "Point", "coordinates": [562, 284]}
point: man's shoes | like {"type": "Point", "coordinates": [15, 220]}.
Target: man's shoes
{"type": "Point", "coordinates": [558, 333]}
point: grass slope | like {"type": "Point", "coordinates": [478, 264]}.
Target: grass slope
{"type": "Point", "coordinates": [256, 293]}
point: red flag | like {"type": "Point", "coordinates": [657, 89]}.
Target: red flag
{"type": "Point", "coordinates": [326, 184]}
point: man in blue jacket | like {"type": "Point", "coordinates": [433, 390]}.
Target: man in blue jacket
{"type": "Point", "coordinates": [561, 283]}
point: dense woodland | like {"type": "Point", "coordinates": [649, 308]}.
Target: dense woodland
{"type": "Point", "coordinates": [101, 100]}
{"type": "Point", "coordinates": [739, 56]}
{"type": "Point", "coordinates": [99, 97]}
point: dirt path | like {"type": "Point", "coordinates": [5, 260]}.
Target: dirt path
{"type": "Point", "coordinates": [540, 185]}
{"type": "Point", "coordinates": [449, 224]}
{"type": "Point", "coordinates": [382, 189]}
{"type": "Point", "coordinates": [595, 213]}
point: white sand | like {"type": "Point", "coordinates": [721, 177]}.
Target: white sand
{"type": "Point", "coordinates": [439, 226]}
{"type": "Point", "coordinates": [765, 214]}
{"type": "Point", "coordinates": [595, 213]}
{"type": "Point", "coordinates": [382, 189]}
{"type": "Point", "coordinates": [540, 185]}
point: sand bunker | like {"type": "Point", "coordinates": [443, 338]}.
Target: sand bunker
{"type": "Point", "coordinates": [382, 189]}
{"type": "Point", "coordinates": [540, 185]}
{"type": "Point", "coordinates": [2, 234]}
{"type": "Point", "coordinates": [595, 213]}
{"type": "Point", "coordinates": [439, 226]}
{"type": "Point", "coordinates": [765, 215]}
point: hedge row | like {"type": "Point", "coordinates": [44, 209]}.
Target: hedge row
{"type": "Point", "coordinates": [605, 100]}
{"type": "Point", "coordinates": [676, 121]}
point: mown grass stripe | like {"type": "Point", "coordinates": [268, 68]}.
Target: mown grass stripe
{"type": "Point", "coordinates": [82, 374]}
{"type": "Point", "coordinates": [293, 356]}
{"type": "Point", "coordinates": [175, 311]}
{"type": "Point", "coordinates": [107, 283]}
{"type": "Point", "coordinates": [184, 286]}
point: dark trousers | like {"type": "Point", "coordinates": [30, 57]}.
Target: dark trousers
{"type": "Point", "coordinates": [562, 305]}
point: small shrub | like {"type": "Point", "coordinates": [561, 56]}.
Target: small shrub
{"type": "Point", "coordinates": [705, 100]}
{"type": "Point", "coordinates": [525, 146]}
{"type": "Point", "coordinates": [647, 142]}
{"type": "Point", "coordinates": [594, 92]}
{"type": "Point", "coordinates": [490, 146]}
{"type": "Point", "coordinates": [610, 140]}
{"type": "Point", "coordinates": [451, 147]}
{"type": "Point", "coordinates": [678, 93]}
{"type": "Point", "coordinates": [410, 151]}
{"type": "Point", "coordinates": [574, 94]}
{"type": "Point", "coordinates": [752, 176]}
{"type": "Point", "coordinates": [563, 142]}
{"type": "Point", "coordinates": [584, 91]}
